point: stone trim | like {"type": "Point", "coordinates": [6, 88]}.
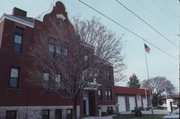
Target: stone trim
{"type": "Point", "coordinates": [104, 107]}
{"type": "Point", "coordinates": [34, 112]}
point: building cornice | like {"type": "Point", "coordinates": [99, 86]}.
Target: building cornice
{"type": "Point", "coordinates": [17, 20]}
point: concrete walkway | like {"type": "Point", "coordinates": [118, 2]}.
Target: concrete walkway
{"type": "Point", "coordinates": [104, 117]}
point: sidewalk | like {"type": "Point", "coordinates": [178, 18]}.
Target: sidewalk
{"type": "Point", "coordinates": [155, 111]}
{"type": "Point", "coordinates": [104, 117]}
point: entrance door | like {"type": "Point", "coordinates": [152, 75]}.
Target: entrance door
{"type": "Point", "coordinates": [92, 104]}
{"type": "Point", "coordinates": [86, 105]}
{"type": "Point", "coordinates": [58, 114]}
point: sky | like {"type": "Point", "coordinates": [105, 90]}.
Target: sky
{"type": "Point", "coordinates": [163, 15]}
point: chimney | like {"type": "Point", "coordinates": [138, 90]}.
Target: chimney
{"type": "Point", "coordinates": [19, 12]}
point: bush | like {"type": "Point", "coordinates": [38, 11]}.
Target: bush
{"type": "Point", "coordinates": [137, 112]}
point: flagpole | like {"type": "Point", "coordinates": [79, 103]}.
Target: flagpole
{"type": "Point", "coordinates": [179, 50]}
{"type": "Point", "coordinates": [146, 97]}
{"type": "Point", "coordinates": [147, 69]}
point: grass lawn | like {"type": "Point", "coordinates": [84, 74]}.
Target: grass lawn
{"type": "Point", "coordinates": [145, 116]}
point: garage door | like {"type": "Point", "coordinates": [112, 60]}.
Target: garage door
{"type": "Point", "coordinates": [121, 104]}
{"type": "Point", "coordinates": [132, 103]}
{"type": "Point", "coordinates": [139, 102]}
{"type": "Point", "coordinates": [144, 102]}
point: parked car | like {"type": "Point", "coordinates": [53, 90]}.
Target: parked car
{"type": "Point", "coordinates": [172, 116]}
{"type": "Point", "coordinates": [174, 106]}
{"type": "Point", "coordinates": [163, 106]}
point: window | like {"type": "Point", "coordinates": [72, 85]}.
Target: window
{"type": "Point", "coordinates": [58, 114]}
{"type": "Point", "coordinates": [86, 60]}
{"type": "Point", "coordinates": [18, 38]}
{"type": "Point", "coordinates": [107, 75]}
{"type": "Point", "coordinates": [58, 81]}
{"type": "Point", "coordinates": [11, 114]}
{"type": "Point", "coordinates": [51, 48]}
{"type": "Point", "coordinates": [100, 93]}
{"type": "Point", "coordinates": [96, 75]}
{"type": "Point", "coordinates": [109, 110]}
{"type": "Point", "coordinates": [57, 48]}
{"type": "Point", "coordinates": [45, 114]}
{"type": "Point", "coordinates": [69, 113]}
{"type": "Point", "coordinates": [45, 81]}
{"type": "Point", "coordinates": [108, 93]}
{"type": "Point", "coordinates": [65, 52]}
{"type": "Point", "coordinates": [14, 77]}
{"type": "Point", "coordinates": [97, 72]}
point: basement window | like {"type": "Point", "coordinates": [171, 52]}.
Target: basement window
{"type": "Point", "coordinates": [45, 114]}
{"type": "Point", "coordinates": [11, 114]}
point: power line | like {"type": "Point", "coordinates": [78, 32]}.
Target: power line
{"type": "Point", "coordinates": [157, 5]}
{"type": "Point", "coordinates": [128, 30]}
{"type": "Point", "coordinates": [146, 23]}
{"type": "Point", "coordinates": [170, 10]}
{"type": "Point", "coordinates": [152, 14]}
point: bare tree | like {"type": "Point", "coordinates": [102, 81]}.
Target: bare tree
{"type": "Point", "coordinates": [107, 45]}
{"type": "Point", "coordinates": [66, 60]}
{"type": "Point", "coordinates": [60, 65]}
{"type": "Point", "coordinates": [158, 85]}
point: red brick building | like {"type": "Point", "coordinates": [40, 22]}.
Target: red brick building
{"type": "Point", "coordinates": [19, 99]}
{"type": "Point", "coordinates": [129, 98]}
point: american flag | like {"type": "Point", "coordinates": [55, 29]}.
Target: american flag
{"type": "Point", "coordinates": [147, 49]}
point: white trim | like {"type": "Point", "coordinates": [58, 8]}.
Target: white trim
{"type": "Point", "coordinates": [104, 107]}
{"type": "Point", "coordinates": [18, 20]}
{"type": "Point", "coordinates": [92, 86]}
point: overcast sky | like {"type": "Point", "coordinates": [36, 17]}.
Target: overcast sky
{"type": "Point", "coordinates": [163, 15]}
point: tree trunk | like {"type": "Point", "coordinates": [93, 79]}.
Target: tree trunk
{"type": "Point", "coordinates": [74, 116]}
{"type": "Point", "coordinates": [154, 100]}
